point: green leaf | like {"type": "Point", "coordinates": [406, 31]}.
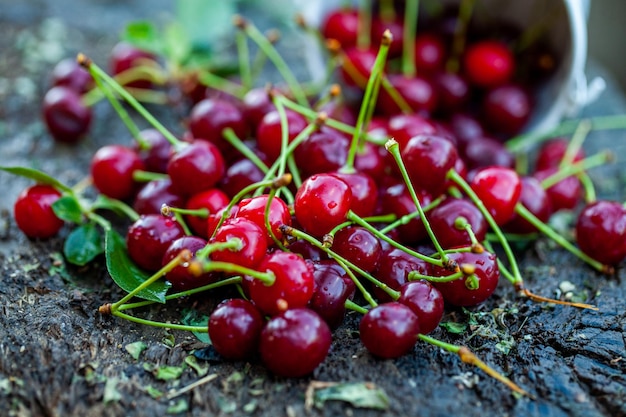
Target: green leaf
{"type": "Point", "coordinates": [169, 373]}
{"type": "Point", "coordinates": [201, 369]}
{"type": "Point", "coordinates": [453, 327]}
{"type": "Point", "coordinates": [358, 394]}
{"type": "Point", "coordinates": [38, 176]}
{"type": "Point", "coordinates": [120, 208]}
{"type": "Point", "coordinates": [68, 208]}
{"type": "Point", "coordinates": [128, 275]}
{"type": "Point", "coordinates": [136, 348]}
{"type": "Point", "coordinates": [177, 43]}
{"type": "Point", "coordinates": [205, 21]}
{"type": "Point", "coordinates": [178, 407]}
{"type": "Point", "coordinates": [193, 318]}
{"type": "Point", "coordinates": [83, 244]}
{"type": "Point", "coordinates": [153, 392]}
{"type": "Point", "coordinates": [143, 35]}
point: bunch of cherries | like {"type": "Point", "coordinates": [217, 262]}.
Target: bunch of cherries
{"type": "Point", "coordinates": [307, 206]}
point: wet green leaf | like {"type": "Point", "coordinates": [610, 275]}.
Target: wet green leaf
{"type": "Point", "coordinates": [128, 275]}
{"type": "Point", "coordinates": [136, 348]}
{"type": "Point", "coordinates": [453, 327]}
{"type": "Point", "coordinates": [358, 394]}
{"type": "Point", "coordinates": [68, 208]}
{"type": "Point", "coordinates": [38, 176]}
{"type": "Point", "coordinates": [153, 392]}
{"type": "Point", "coordinates": [169, 373]}
{"type": "Point", "coordinates": [83, 244]}
{"type": "Point", "coordinates": [193, 318]}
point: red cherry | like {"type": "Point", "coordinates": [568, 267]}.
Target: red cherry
{"type": "Point", "coordinates": [393, 269]}
{"type": "Point", "coordinates": [294, 343]}
{"type": "Point", "coordinates": [565, 194]}
{"type": "Point", "coordinates": [396, 199]}
{"type": "Point", "coordinates": [332, 289]}
{"type": "Point", "coordinates": [341, 25]}
{"type": "Point", "coordinates": [269, 132]}
{"type": "Point", "coordinates": [430, 53]}
{"type": "Point", "coordinates": [69, 73]}
{"type": "Point", "coordinates": [536, 200]}
{"type": "Point", "coordinates": [359, 246]}
{"type": "Point", "coordinates": [292, 288]}
{"type": "Point", "coordinates": [426, 302]}
{"type": "Point", "coordinates": [154, 194]}
{"type": "Point", "coordinates": [443, 217]}
{"type": "Point", "coordinates": [507, 108]}
{"type": "Point", "coordinates": [483, 151]}
{"type": "Point", "coordinates": [149, 237]}
{"type": "Point", "coordinates": [156, 151]}
{"type": "Point", "coordinates": [428, 158]}
{"type": "Point", "coordinates": [389, 330]}
{"type": "Point", "coordinates": [213, 200]}
{"type": "Point", "coordinates": [196, 167]}
{"type": "Point", "coordinates": [396, 27]}
{"type": "Point", "coordinates": [551, 154]}
{"type": "Point", "coordinates": [235, 329]}
{"type": "Point", "coordinates": [239, 175]}
{"type": "Point", "coordinates": [403, 127]}
{"type": "Point", "coordinates": [251, 236]}
{"type": "Point", "coordinates": [255, 105]}
{"type": "Point", "coordinates": [418, 92]}
{"type": "Point", "coordinates": [357, 66]}
{"type": "Point", "coordinates": [125, 56]}
{"type": "Point", "coordinates": [33, 212]}
{"type": "Point", "coordinates": [180, 277]}
{"type": "Point", "coordinates": [489, 63]}
{"type": "Point", "coordinates": [112, 169]}
{"type": "Point", "coordinates": [601, 231]}
{"type": "Point", "coordinates": [254, 209]}
{"type": "Point", "coordinates": [499, 189]}
{"type": "Point", "coordinates": [453, 91]}
{"type": "Point", "coordinates": [307, 250]}
{"type": "Point", "coordinates": [322, 151]}
{"type": "Point", "coordinates": [66, 116]}
{"type": "Point", "coordinates": [364, 192]}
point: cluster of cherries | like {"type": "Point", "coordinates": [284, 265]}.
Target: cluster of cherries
{"type": "Point", "coordinates": [310, 216]}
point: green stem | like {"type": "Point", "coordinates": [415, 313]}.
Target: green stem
{"type": "Point", "coordinates": [267, 278]}
{"type": "Point", "coordinates": [411, 13]}
{"type": "Point", "coordinates": [365, 25]}
{"type": "Point", "coordinates": [396, 96]}
{"type": "Point", "coordinates": [593, 161]}
{"type": "Point", "coordinates": [198, 329]}
{"type": "Point", "coordinates": [224, 85]}
{"type": "Point", "coordinates": [574, 145]}
{"type": "Point", "coordinates": [243, 55]}
{"type": "Point", "coordinates": [351, 305]}
{"type": "Point", "coordinates": [589, 188]}
{"type": "Point", "coordinates": [140, 175]}
{"type": "Point", "coordinates": [415, 276]}
{"type": "Point", "coordinates": [232, 138]}
{"type": "Point", "coordinates": [408, 217]}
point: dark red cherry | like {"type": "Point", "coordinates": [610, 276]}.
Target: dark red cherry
{"type": "Point", "coordinates": [33, 212]}
{"type": "Point", "coordinates": [370, 160]}
{"type": "Point", "coordinates": [322, 151]}
{"type": "Point", "coordinates": [256, 103]}
{"type": "Point", "coordinates": [239, 175]}
{"type": "Point", "coordinates": [551, 154]}
{"type": "Point", "coordinates": [66, 116]}
{"type": "Point", "coordinates": [125, 56]}
{"type": "Point", "coordinates": [397, 200]}
{"type": "Point", "coordinates": [565, 194]}
{"type": "Point", "coordinates": [213, 200]}
{"type": "Point", "coordinates": [428, 158]}
{"type": "Point", "coordinates": [154, 194]}
{"type": "Point", "coordinates": [536, 200]}
{"type": "Point", "coordinates": [443, 220]}
{"type": "Point", "coordinates": [488, 63]}
{"type": "Point", "coordinates": [453, 91]}
{"type": "Point", "coordinates": [181, 277]}
{"type": "Point", "coordinates": [601, 231]}
{"type": "Point", "coordinates": [252, 244]}
{"type": "Point", "coordinates": [389, 330]}
{"type": "Point", "coordinates": [507, 108]}
{"type": "Point", "coordinates": [499, 189]}
{"type": "Point", "coordinates": [356, 67]}
{"type": "Point", "coordinates": [307, 250]}
{"type": "Point", "coordinates": [462, 291]}
{"type": "Point", "coordinates": [321, 203]}
{"type": "Point", "coordinates": [112, 169]}
{"type": "Point", "coordinates": [342, 25]}
{"type": "Point", "coordinates": [364, 192]}
{"type": "Point", "coordinates": [359, 246]}
{"type": "Point", "coordinates": [332, 289]}
{"type": "Point", "coordinates": [254, 209]}
{"type": "Point", "coordinates": [69, 73]}
{"type": "Point", "coordinates": [216, 218]}
{"type": "Point", "coordinates": [465, 128]}
{"type": "Point", "coordinates": [196, 167]}
{"type": "Point", "coordinates": [149, 237]}
{"type": "Point", "coordinates": [292, 288]}
{"type": "Point", "coordinates": [483, 151]}
{"type": "Point", "coordinates": [154, 151]}
{"type": "Point", "coordinates": [235, 329]}
{"type": "Point", "coordinates": [393, 270]}
{"type": "Point", "coordinates": [269, 132]}
{"type": "Point", "coordinates": [418, 92]}
{"type": "Point", "coordinates": [426, 302]}
{"type": "Point", "coordinates": [430, 53]}
{"type": "Point", "coordinates": [294, 343]}
{"type": "Point", "coordinates": [403, 127]}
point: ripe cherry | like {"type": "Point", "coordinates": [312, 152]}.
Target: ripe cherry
{"type": "Point", "coordinates": [66, 116]}
{"type": "Point", "coordinates": [254, 209]}
{"type": "Point", "coordinates": [551, 154]}
{"type": "Point", "coordinates": [507, 108]}
{"type": "Point", "coordinates": [483, 151]}
{"type": "Point", "coordinates": [235, 329]}
{"type": "Point", "coordinates": [112, 169]}
{"type": "Point", "coordinates": [332, 289]}
{"type": "Point", "coordinates": [125, 56]}
{"type": "Point", "coordinates": [428, 158]}
{"type": "Point", "coordinates": [389, 330]}
{"type": "Point", "coordinates": [322, 151]}
{"type": "Point", "coordinates": [211, 116]}
{"type": "Point", "coordinates": [154, 194]}
{"type": "Point", "coordinates": [196, 167]}
{"type": "Point", "coordinates": [33, 212]}
{"type": "Point", "coordinates": [239, 175]}
{"type": "Point", "coordinates": [357, 66]}
{"type": "Point", "coordinates": [601, 231]}
{"type": "Point", "coordinates": [536, 200]}
{"type": "Point", "coordinates": [307, 250]}
{"type": "Point", "coordinates": [443, 220]}
{"type": "Point", "coordinates": [397, 200]}
{"type": "Point", "coordinates": [453, 91]}
{"type": "Point", "coordinates": [294, 343]}
{"type": "Point", "coordinates": [181, 277]}
{"type": "Point", "coordinates": [155, 150]}
{"type": "Point", "coordinates": [269, 132]}
{"type": "Point", "coordinates": [252, 244]}
{"type": "Point", "coordinates": [402, 127]}
{"type": "Point", "coordinates": [393, 270]}
{"type": "Point", "coordinates": [565, 194]}
{"type": "Point", "coordinates": [426, 301]}
{"type": "Point", "coordinates": [255, 105]}
{"type": "Point", "coordinates": [69, 73]}
{"type": "Point", "coordinates": [149, 237]}
{"type": "Point", "coordinates": [213, 200]}
{"type": "Point", "coordinates": [395, 27]}
{"type": "Point", "coordinates": [418, 92]}
{"type": "Point", "coordinates": [359, 246]}
{"type": "Point", "coordinates": [341, 25]}
{"type": "Point", "coordinates": [430, 53]}
{"type": "Point", "coordinates": [488, 63]}
{"type": "Point", "coordinates": [364, 192]}
{"type": "Point", "coordinates": [499, 189]}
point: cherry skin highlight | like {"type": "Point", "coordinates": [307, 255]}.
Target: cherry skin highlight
{"type": "Point", "coordinates": [33, 212]}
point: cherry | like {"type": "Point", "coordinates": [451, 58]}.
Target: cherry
{"type": "Point", "coordinates": [565, 194]}
{"type": "Point", "coordinates": [601, 231]}
{"type": "Point", "coordinates": [321, 203]}
{"type": "Point", "coordinates": [488, 63]}
{"type": "Point", "coordinates": [483, 151]}
{"type": "Point", "coordinates": [269, 131]}
{"type": "Point", "coordinates": [235, 329]}
{"type": "Point", "coordinates": [460, 292]}
{"type": "Point", "coordinates": [322, 151]}
{"type": "Point", "coordinates": [389, 330]}
{"type": "Point", "coordinates": [465, 128]}
{"type": "Point", "coordinates": [211, 116]}
{"type": "Point", "coordinates": [551, 154]}
{"type": "Point", "coordinates": [332, 289]}
{"type": "Point", "coordinates": [196, 167]}
{"type": "Point", "coordinates": [536, 200]}
{"type": "Point", "coordinates": [359, 246]}
{"type": "Point", "coordinates": [69, 73]}
{"type": "Point", "coordinates": [252, 244]}
{"type": "Point", "coordinates": [453, 91]}
{"type": "Point", "coordinates": [418, 92]}
{"type": "Point", "coordinates": [499, 189]}
{"type": "Point", "coordinates": [112, 169]}
{"type": "Point", "coordinates": [428, 158]}
{"type": "Point", "coordinates": [357, 66]}
{"type": "Point", "coordinates": [402, 127]}
{"type": "Point", "coordinates": [180, 277]}
{"type": "Point", "coordinates": [430, 53]}
{"type": "Point", "coordinates": [154, 194]}
{"type": "Point", "coordinates": [213, 200]}
{"type": "Point", "coordinates": [66, 116]}
{"type": "Point", "coordinates": [393, 270]}
{"type": "Point", "coordinates": [33, 211]}
{"type": "Point", "coordinates": [294, 343]}
{"type": "Point", "coordinates": [307, 250]}
{"type": "Point", "coordinates": [370, 160]}
{"type": "Point", "coordinates": [443, 220]}
{"type": "Point", "coordinates": [396, 27]}
{"type": "Point", "coordinates": [292, 288]}
{"type": "Point", "coordinates": [125, 56]}
{"type": "Point", "coordinates": [426, 301]}
{"type": "Point", "coordinates": [216, 218]}
{"type": "Point", "coordinates": [397, 200]}
{"type": "Point", "coordinates": [256, 103]}
{"type": "Point", "coordinates": [239, 175]}
{"type": "Point", "coordinates": [254, 209]}
{"type": "Point", "coordinates": [364, 192]}
{"type": "Point", "coordinates": [507, 108]}
{"type": "Point", "coordinates": [154, 151]}
{"type": "Point", "coordinates": [149, 237]}
{"type": "Point", "coordinates": [341, 25]}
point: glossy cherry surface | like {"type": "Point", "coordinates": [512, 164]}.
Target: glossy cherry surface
{"type": "Point", "coordinates": [601, 231]}
{"type": "Point", "coordinates": [488, 63]}
{"type": "Point", "coordinates": [181, 277]}
{"type": "Point", "coordinates": [389, 330]}
{"type": "Point", "coordinates": [154, 194]}
{"type": "Point", "coordinates": [235, 329]}
{"type": "Point", "coordinates": [359, 246]}
{"type": "Point", "coordinates": [499, 189]}
{"type": "Point", "coordinates": [428, 158]}
{"type": "Point", "coordinates": [425, 301]}
{"type": "Point", "coordinates": [393, 270]}
{"type": "Point", "coordinates": [196, 167]}
{"type": "Point", "coordinates": [33, 212]}
{"type": "Point", "coordinates": [251, 238]}
{"type": "Point", "coordinates": [112, 169]}
{"type": "Point", "coordinates": [213, 200]}
{"type": "Point", "coordinates": [443, 220]}
{"type": "Point", "coordinates": [211, 116]}
{"type": "Point", "coordinates": [65, 115]}
{"type": "Point", "coordinates": [254, 209]}
{"type": "Point", "coordinates": [148, 238]}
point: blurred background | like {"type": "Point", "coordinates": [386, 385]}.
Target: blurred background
{"type": "Point", "coordinates": [607, 35]}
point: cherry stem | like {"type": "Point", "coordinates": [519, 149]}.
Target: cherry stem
{"type": "Point", "coordinates": [198, 329]}
{"type": "Point", "coordinates": [234, 244]}
{"type": "Point", "coordinates": [183, 256]}
{"type": "Point", "coordinates": [266, 218]}
{"type": "Point", "coordinates": [351, 305]}
{"type": "Point", "coordinates": [210, 80]}
{"type": "Point", "coordinates": [140, 175]}
{"type": "Point", "coordinates": [393, 148]}
{"type": "Point", "coordinates": [517, 277]}
{"type": "Point", "coordinates": [467, 356]}
{"type": "Point", "coordinates": [369, 101]}
{"type": "Point", "coordinates": [593, 161]}
{"type": "Point", "coordinates": [243, 56]}
{"type": "Point", "coordinates": [416, 276]}
{"type": "Point", "coordinates": [411, 13]}
{"type": "Point", "coordinates": [382, 236]}
{"type": "Point", "coordinates": [589, 188]}
{"type": "Point", "coordinates": [466, 9]}
{"type": "Point", "coordinates": [365, 25]}
{"type": "Point", "coordinates": [396, 96]}
{"type": "Point", "coordinates": [104, 202]}
{"type": "Point", "coordinates": [97, 72]}
{"type": "Point", "coordinates": [408, 217]}
{"type": "Point", "coordinates": [268, 278]}
{"type": "Point", "coordinates": [231, 137]}
{"type": "Point", "coordinates": [574, 145]}
{"type": "Point", "coordinates": [552, 234]}
{"type": "Point", "coordinates": [268, 49]}
{"type": "Point", "coordinates": [461, 223]}
{"type": "Point", "coordinates": [387, 10]}
{"type": "Point", "coordinates": [202, 213]}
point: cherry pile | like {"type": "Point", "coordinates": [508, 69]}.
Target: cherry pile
{"type": "Point", "coordinates": [312, 205]}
